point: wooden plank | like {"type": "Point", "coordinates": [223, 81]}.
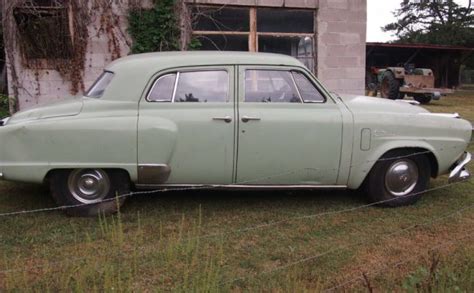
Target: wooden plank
{"type": "Point", "coordinates": [253, 38]}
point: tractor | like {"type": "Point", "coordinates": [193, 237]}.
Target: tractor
{"type": "Point", "coordinates": [396, 82]}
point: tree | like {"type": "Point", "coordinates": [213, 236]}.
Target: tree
{"type": "Point", "coordinates": [433, 22]}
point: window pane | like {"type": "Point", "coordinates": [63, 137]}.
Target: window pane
{"type": "Point", "coordinates": [221, 19]}
{"type": "Point", "coordinates": [202, 86]}
{"type": "Point", "coordinates": [285, 21]}
{"type": "Point", "coordinates": [163, 89]}
{"type": "Point", "coordinates": [99, 86]}
{"type": "Point", "coordinates": [298, 47]}
{"type": "Point", "coordinates": [270, 86]}
{"type": "Point", "coordinates": [308, 92]}
{"type": "Point", "coordinates": [223, 42]}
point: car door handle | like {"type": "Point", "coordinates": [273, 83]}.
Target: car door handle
{"type": "Point", "coordinates": [246, 119]}
{"type": "Point", "coordinates": [226, 119]}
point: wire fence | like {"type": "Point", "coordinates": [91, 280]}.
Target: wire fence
{"type": "Point", "coordinates": [357, 243]}
{"type": "Point", "coordinates": [209, 187]}
{"type": "Point", "coordinates": [387, 266]}
{"type": "Point", "coordinates": [265, 225]}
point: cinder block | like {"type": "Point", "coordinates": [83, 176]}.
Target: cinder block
{"type": "Point", "coordinates": [302, 3]}
{"type": "Point", "coordinates": [271, 3]}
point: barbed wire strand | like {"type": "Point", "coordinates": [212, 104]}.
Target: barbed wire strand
{"type": "Point", "coordinates": [332, 250]}
{"type": "Point", "coordinates": [204, 186]}
{"type": "Point", "coordinates": [70, 260]}
{"type": "Point", "coordinates": [386, 266]}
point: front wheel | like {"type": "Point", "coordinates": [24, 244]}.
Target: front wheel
{"type": "Point", "coordinates": [398, 178]}
{"type": "Point", "coordinates": [89, 192]}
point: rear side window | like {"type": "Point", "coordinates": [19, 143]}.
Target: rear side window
{"type": "Point", "coordinates": [99, 86]}
{"type": "Point", "coordinates": [202, 86]}
{"type": "Point", "coordinates": [270, 86]}
{"type": "Point", "coordinates": [309, 93]}
{"type": "Point", "coordinates": [163, 89]}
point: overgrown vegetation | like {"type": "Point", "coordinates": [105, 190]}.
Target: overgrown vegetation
{"type": "Point", "coordinates": [4, 107]}
{"type": "Point", "coordinates": [154, 29]}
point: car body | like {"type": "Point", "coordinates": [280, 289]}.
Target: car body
{"type": "Point", "coordinates": [222, 119]}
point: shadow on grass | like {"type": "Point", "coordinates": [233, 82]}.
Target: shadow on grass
{"type": "Point", "coordinates": [22, 196]}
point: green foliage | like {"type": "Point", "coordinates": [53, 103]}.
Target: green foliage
{"type": "Point", "coordinates": [4, 108]}
{"type": "Point", "coordinates": [154, 29]}
{"type": "Point", "coordinates": [433, 22]}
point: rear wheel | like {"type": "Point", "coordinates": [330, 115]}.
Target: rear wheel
{"type": "Point", "coordinates": [398, 178]}
{"type": "Point", "coordinates": [390, 86]}
{"type": "Point", "coordinates": [89, 191]}
{"type": "Point", "coordinates": [422, 99]}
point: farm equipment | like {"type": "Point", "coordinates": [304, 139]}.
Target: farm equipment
{"type": "Point", "coordinates": [396, 82]}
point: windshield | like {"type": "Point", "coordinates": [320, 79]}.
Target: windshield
{"type": "Point", "coordinates": [99, 86]}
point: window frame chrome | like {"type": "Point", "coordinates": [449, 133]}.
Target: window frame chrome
{"type": "Point", "coordinates": [175, 86]}
{"type": "Point", "coordinates": [154, 84]}
{"type": "Point", "coordinates": [312, 83]}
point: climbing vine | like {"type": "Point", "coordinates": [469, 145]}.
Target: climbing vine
{"type": "Point", "coordinates": [154, 29]}
{"type": "Point", "coordinates": [160, 28]}
{"type": "Point", "coordinates": [55, 36]}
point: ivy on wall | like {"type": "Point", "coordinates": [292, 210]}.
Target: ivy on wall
{"type": "Point", "coordinates": [154, 29]}
{"type": "Point", "coordinates": [158, 29]}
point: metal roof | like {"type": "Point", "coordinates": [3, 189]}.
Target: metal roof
{"type": "Point", "coordinates": [419, 46]}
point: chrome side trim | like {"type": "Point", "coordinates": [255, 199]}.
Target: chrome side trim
{"type": "Point", "coordinates": [242, 186]}
{"type": "Point", "coordinates": [460, 173]}
{"type": "Point", "coordinates": [151, 174]}
{"type": "Point", "coordinates": [448, 115]}
{"type": "Point", "coordinates": [411, 102]}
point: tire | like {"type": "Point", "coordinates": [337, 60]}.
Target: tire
{"type": "Point", "coordinates": [390, 86]}
{"type": "Point", "coordinates": [69, 188]}
{"type": "Point", "coordinates": [393, 193]}
{"type": "Point", "coordinates": [422, 99]}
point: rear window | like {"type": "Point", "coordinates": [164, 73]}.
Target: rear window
{"type": "Point", "coordinates": [99, 86]}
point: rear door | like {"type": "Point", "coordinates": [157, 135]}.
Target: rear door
{"type": "Point", "coordinates": [288, 131]}
{"type": "Point", "coordinates": [186, 128]}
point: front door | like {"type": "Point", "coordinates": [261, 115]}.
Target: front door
{"type": "Point", "coordinates": [288, 131]}
{"type": "Point", "coordinates": [186, 128]}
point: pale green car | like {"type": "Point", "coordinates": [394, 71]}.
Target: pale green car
{"type": "Point", "coordinates": [226, 120]}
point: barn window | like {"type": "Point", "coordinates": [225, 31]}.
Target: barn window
{"type": "Point", "coordinates": [44, 31]}
{"type": "Point", "coordinates": [274, 30]}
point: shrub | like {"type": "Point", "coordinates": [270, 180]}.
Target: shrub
{"type": "Point", "coordinates": [4, 108]}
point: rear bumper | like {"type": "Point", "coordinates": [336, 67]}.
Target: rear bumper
{"type": "Point", "coordinates": [459, 172]}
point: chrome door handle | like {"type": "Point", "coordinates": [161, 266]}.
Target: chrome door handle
{"type": "Point", "coordinates": [226, 119]}
{"type": "Point", "coordinates": [246, 119]}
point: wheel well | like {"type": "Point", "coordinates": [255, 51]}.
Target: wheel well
{"type": "Point", "coordinates": [51, 172]}
{"type": "Point", "coordinates": [431, 157]}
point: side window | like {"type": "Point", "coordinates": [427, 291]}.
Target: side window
{"type": "Point", "coordinates": [203, 86]}
{"type": "Point", "coordinates": [99, 86]}
{"type": "Point", "coordinates": [309, 93]}
{"type": "Point", "coordinates": [270, 86]}
{"type": "Point", "coordinates": [163, 89]}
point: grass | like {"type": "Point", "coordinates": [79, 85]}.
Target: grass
{"type": "Point", "coordinates": [197, 240]}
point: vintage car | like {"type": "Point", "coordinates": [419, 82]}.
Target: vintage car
{"type": "Point", "coordinates": [226, 120]}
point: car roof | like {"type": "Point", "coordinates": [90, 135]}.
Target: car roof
{"type": "Point", "coordinates": [133, 73]}
{"type": "Point", "coordinates": [164, 60]}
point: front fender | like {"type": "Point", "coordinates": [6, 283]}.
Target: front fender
{"type": "Point", "coordinates": [445, 152]}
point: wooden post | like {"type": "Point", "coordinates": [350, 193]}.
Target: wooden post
{"type": "Point", "coordinates": [253, 39]}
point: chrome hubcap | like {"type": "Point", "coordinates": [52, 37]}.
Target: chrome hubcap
{"type": "Point", "coordinates": [401, 177]}
{"type": "Point", "coordinates": [89, 185]}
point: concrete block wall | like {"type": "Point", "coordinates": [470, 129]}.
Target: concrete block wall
{"type": "Point", "coordinates": [46, 85]}
{"type": "Point", "coordinates": [340, 49]}
{"type": "Point", "coordinates": [341, 34]}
